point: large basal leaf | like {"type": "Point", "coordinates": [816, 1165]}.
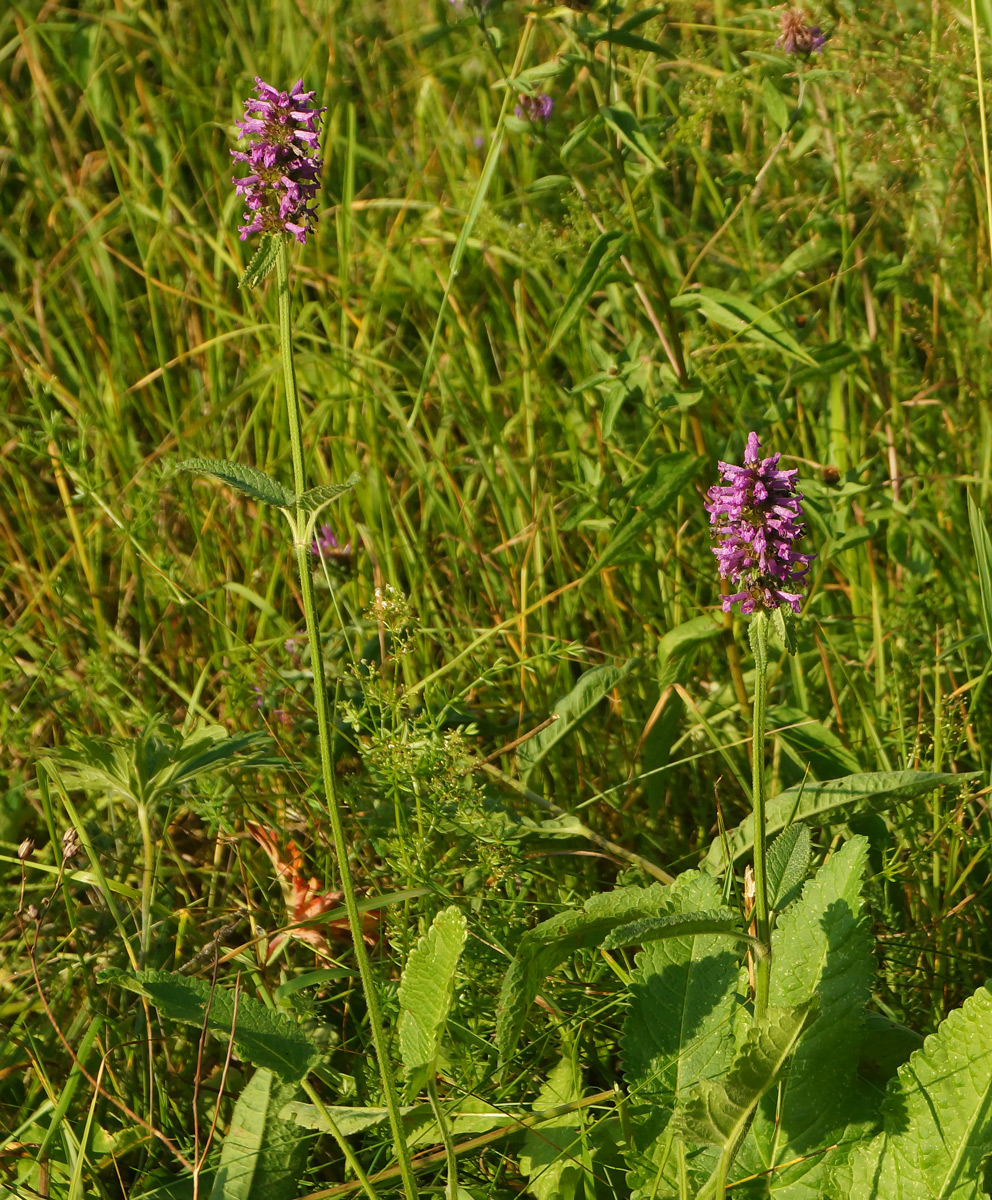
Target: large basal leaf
{"type": "Point", "coordinates": [544, 947]}
{"type": "Point", "coordinates": [426, 990]}
{"type": "Point", "coordinates": [821, 954]}
{"type": "Point", "coordinates": [549, 1160]}
{"type": "Point", "coordinates": [684, 995]}
{"type": "Point", "coordinates": [938, 1116]}
{"type": "Point", "coordinates": [831, 802]}
{"type": "Point", "coordinates": [592, 687]}
{"type": "Point", "coordinates": [263, 1156]}
{"type": "Point", "coordinates": [658, 488]}
{"type": "Point", "coordinates": [717, 1112]}
{"type": "Point", "coordinates": [676, 648]}
{"type": "Point", "coordinates": [264, 1038]}
{"type": "Point", "coordinates": [250, 480]}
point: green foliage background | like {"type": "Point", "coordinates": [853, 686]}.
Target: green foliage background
{"type": "Point", "coordinates": [531, 472]}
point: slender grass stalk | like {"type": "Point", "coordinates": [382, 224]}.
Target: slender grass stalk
{"type": "Point", "coordinates": [324, 730]}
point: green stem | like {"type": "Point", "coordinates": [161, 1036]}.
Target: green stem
{"type": "Point", "coordinates": [758, 633]}
{"type": "Point", "coordinates": [324, 734]}
{"type": "Point", "coordinates": [451, 1159]}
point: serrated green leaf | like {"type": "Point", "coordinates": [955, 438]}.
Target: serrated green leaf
{"type": "Point", "coordinates": [262, 261]}
{"type": "Point", "coordinates": [718, 1112]}
{"type": "Point", "coordinates": [821, 954]}
{"type": "Point", "coordinates": [938, 1116]}
{"type": "Point", "coordinates": [684, 995]}
{"type": "Point", "coordinates": [683, 924]}
{"type": "Point", "coordinates": [590, 689]}
{"type": "Point", "coordinates": [263, 1156]}
{"type": "Point", "coordinates": [245, 479]}
{"type": "Point", "coordinates": [315, 497]}
{"type": "Point", "coordinates": [264, 1038]}
{"type": "Point", "coordinates": [788, 865]}
{"type": "Point", "coordinates": [549, 1154]}
{"type": "Point", "coordinates": [657, 489]}
{"type": "Point", "coordinates": [544, 947]}
{"type": "Point", "coordinates": [603, 256]}
{"type": "Point", "coordinates": [833, 801]}
{"type": "Point", "coordinates": [427, 987]}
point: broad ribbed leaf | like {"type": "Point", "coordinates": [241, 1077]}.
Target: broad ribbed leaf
{"type": "Point", "coordinates": [262, 261]}
{"type": "Point", "coordinates": [427, 987]}
{"type": "Point", "coordinates": [550, 1152]}
{"type": "Point", "coordinates": [938, 1116]}
{"type": "Point", "coordinates": [547, 945]}
{"type": "Point", "coordinates": [245, 479]}
{"type": "Point", "coordinates": [262, 1037]}
{"type": "Point", "coordinates": [717, 1112]}
{"type": "Point", "coordinates": [821, 953]}
{"type": "Point", "coordinates": [263, 1156]}
{"type": "Point", "coordinates": [590, 689]}
{"type": "Point", "coordinates": [684, 995]}
{"type": "Point", "coordinates": [788, 865]}
{"type": "Point", "coordinates": [833, 801]}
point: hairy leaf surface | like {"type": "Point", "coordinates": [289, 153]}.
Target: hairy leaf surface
{"type": "Point", "coordinates": [263, 1156]}
{"type": "Point", "coordinates": [938, 1116]}
{"type": "Point", "coordinates": [544, 947]}
{"type": "Point", "coordinates": [427, 987]}
{"type": "Point", "coordinates": [262, 1037]}
{"type": "Point", "coordinates": [821, 954]}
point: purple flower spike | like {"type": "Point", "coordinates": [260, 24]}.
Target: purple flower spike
{"type": "Point", "coordinates": [283, 164]}
{"type": "Point", "coordinates": [798, 36]}
{"type": "Point", "coordinates": [536, 107]}
{"type": "Point", "coordinates": [758, 519]}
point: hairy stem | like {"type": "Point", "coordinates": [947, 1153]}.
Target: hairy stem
{"type": "Point", "coordinates": [759, 644]}
{"type": "Point", "coordinates": [324, 734]}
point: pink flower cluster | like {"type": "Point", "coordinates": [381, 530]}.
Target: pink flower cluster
{"type": "Point", "coordinates": [284, 165]}
{"type": "Point", "coordinates": [757, 517]}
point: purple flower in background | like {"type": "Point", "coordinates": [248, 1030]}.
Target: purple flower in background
{"type": "Point", "coordinates": [798, 36]}
{"type": "Point", "coordinates": [535, 107]}
{"type": "Point", "coordinates": [283, 163]}
{"type": "Point", "coordinates": [326, 545]}
{"type": "Point", "coordinates": [757, 517]}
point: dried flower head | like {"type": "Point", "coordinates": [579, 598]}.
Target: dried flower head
{"type": "Point", "coordinates": [536, 107]}
{"type": "Point", "coordinates": [284, 166]}
{"type": "Point", "coordinates": [25, 849]}
{"type": "Point", "coordinates": [70, 845]}
{"type": "Point", "coordinates": [798, 36]}
{"type": "Point", "coordinates": [757, 519]}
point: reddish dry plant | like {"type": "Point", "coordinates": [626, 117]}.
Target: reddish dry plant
{"type": "Point", "coordinates": [306, 902]}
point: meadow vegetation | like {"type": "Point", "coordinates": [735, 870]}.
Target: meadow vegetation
{"type": "Point", "coordinates": [530, 336]}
